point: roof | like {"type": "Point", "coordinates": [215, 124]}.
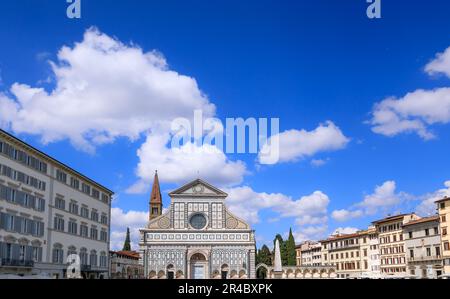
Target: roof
{"type": "Point", "coordinates": [53, 160]}
{"type": "Point", "coordinates": [442, 200]}
{"type": "Point", "coordinates": [180, 190]}
{"type": "Point", "coordinates": [422, 220]}
{"type": "Point", "coordinates": [391, 218]}
{"type": "Point", "coordinates": [155, 196]}
{"type": "Point", "coordinates": [128, 254]}
{"type": "Point", "coordinates": [345, 236]}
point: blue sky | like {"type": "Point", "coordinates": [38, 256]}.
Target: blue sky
{"type": "Point", "coordinates": [304, 62]}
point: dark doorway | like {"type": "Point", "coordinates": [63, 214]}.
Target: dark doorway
{"type": "Point", "coordinates": [224, 274]}
{"type": "Point", "coordinates": [170, 275]}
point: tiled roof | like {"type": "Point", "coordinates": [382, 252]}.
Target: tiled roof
{"type": "Point", "coordinates": [390, 218]}
{"type": "Point", "coordinates": [442, 200]}
{"type": "Point", "coordinates": [129, 254]}
{"type": "Point", "coordinates": [422, 220]}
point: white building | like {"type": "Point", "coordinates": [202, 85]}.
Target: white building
{"type": "Point", "coordinates": [423, 247]}
{"type": "Point", "coordinates": [374, 254]}
{"type": "Point", "coordinates": [49, 211]}
{"type": "Point", "coordinates": [197, 238]}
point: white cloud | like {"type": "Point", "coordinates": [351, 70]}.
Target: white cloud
{"type": "Point", "coordinates": [418, 110]}
{"type": "Point", "coordinates": [441, 64]}
{"type": "Point", "coordinates": [413, 113]}
{"type": "Point", "coordinates": [295, 145]}
{"type": "Point", "coordinates": [319, 162]}
{"type": "Point", "coordinates": [428, 205]}
{"type": "Point", "coordinates": [179, 165]}
{"type": "Point", "coordinates": [120, 220]}
{"type": "Point", "coordinates": [346, 215]}
{"type": "Point", "coordinates": [311, 233]}
{"type": "Point", "coordinates": [246, 203]}
{"type": "Point", "coordinates": [384, 196]}
{"type": "Point", "coordinates": [104, 89]}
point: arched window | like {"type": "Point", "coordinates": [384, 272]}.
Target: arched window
{"type": "Point", "coordinates": [58, 254]}
{"type": "Point", "coordinates": [83, 256]}
{"type": "Point", "coordinates": [103, 259]}
{"type": "Point", "coordinates": [93, 258]}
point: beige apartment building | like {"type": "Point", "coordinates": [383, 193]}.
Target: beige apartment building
{"type": "Point", "coordinates": [444, 215]}
{"type": "Point", "coordinates": [349, 253]}
{"type": "Point", "coordinates": [308, 254]}
{"type": "Point", "coordinates": [392, 244]}
{"type": "Point", "coordinates": [48, 212]}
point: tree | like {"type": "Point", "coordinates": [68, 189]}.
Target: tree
{"type": "Point", "coordinates": [265, 256]}
{"type": "Point", "coordinates": [290, 249]}
{"type": "Point", "coordinates": [127, 244]}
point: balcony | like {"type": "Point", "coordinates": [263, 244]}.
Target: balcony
{"type": "Point", "coordinates": [16, 263]}
{"type": "Point", "coordinates": [424, 259]}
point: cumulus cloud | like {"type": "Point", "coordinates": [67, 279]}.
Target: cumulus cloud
{"type": "Point", "coordinates": [295, 145]}
{"type": "Point", "coordinates": [441, 64]}
{"type": "Point", "coordinates": [179, 165]}
{"type": "Point", "coordinates": [104, 89]}
{"type": "Point", "coordinates": [427, 207]}
{"type": "Point", "coordinates": [246, 203]}
{"type": "Point", "coordinates": [385, 198]}
{"type": "Point", "coordinates": [416, 111]}
{"type": "Point", "coordinates": [120, 221]}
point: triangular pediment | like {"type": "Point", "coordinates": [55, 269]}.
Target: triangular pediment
{"type": "Point", "coordinates": [198, 188]}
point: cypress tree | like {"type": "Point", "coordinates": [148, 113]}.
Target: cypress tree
{"type": "Point", "coordinates": [127, 244]}
{"type": "Point", "coordinates": [290, 248]}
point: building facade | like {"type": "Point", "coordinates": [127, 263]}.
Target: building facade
{"type": "Point", "coordinates": [126, 265]}
{"type": "Point", "coordinates": [392, 245]}
{"type": "Point", "coordinates": [348, 253]}
{"type": "Point", "coordinates": [48, 211]}
{"type": "Point", "coordinates": [309, 254]}
{"type": "Point", "coordinates": [374, 254]}
{"type": "Point", "coordinates": [423, 247]}
{"type": "Point", "coordinates": [197, 237]}
{"type": "Point", "coordinates": [444, 217]}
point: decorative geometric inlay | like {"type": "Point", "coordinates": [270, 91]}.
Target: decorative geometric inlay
{"type": "Point", "coordinates": [164, 223]}
{"type": "Point", "coordinates": [232, 223]}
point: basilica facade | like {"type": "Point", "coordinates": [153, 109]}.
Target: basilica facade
{"type": "Point", "coordinates": [196, 237]}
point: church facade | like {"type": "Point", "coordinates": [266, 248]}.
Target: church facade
{"type": "Point", "coordinates": [196, 237]}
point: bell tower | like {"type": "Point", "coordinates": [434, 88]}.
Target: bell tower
{"type": "Point", "coordinates": [155, 199]}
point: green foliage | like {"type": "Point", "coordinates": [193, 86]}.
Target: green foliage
{"type": "Point", "coordinates": [290, 249]}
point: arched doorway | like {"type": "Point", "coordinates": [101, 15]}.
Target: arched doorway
{"type": "Point", "coordinates": [199, 266]}
{"type": "Point", "coordinates": [170, 272]}
{"type": "Point", "coordinates": [224, 271]}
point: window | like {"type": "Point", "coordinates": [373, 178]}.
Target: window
{"type": "Point", "coordinates": [73, 208]}
{"type": "Point", "coordinates": [84, 212]}
{"type": "Point", "coordinates": [94, 233]}
{"type": "Point", "coordinates": [93, 258]}
{"type": "Point", "coordinates": [446, 246]}
{"type": "Point", "coordinates": [443, 218]}
{"type": "Point", "coordinates": [436, 231]}
{"type": "Point", "coordinates": [103, 260]}
{"type": "Point", "coordinates": [105, 198]}
{"type": "Point", "coordinates": [444, 231]}
{"type": "Point", "coordinates": [60, 203]}
{"type": "Point", "coordinates": [83, 256]}
{"type": "Point", "coordinates": [73, 227]}
{"type": "Point", "coordinates": [103, 236]}
{"type": "Point", "coordinates": [411, 253]}
{"type": "Point", "coordinates": [438, 251]}
{"type": "Point", "coordinates": [104, 219]}
{"type": "Point", "coordinates": [86, 189]}
{"type": "Point", "coordinates": [59, 224]}
{"type": "Point", "coordinates": [410, 235]}
{"type": "Point", "coordinates": [84, 231]}
{"type": "Point", "coordinates": [74, 183]}
{"type": "Point", "coordinates": [95, 194]}
{"type": "Point", "coordinates": [427, 232]}
{"type": "Point", "coordinates": [94, 216]}
{"type": "Point", "coordinates": [428, 251]}
{"type": "Point", "coordinates": [198, 221]}
{"type": "Point", "coordinates": [61, 176]}
{"type": "Point", "coordinates": [58, 255]}
{"type": "Point", "coordinates": [442, 205]}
